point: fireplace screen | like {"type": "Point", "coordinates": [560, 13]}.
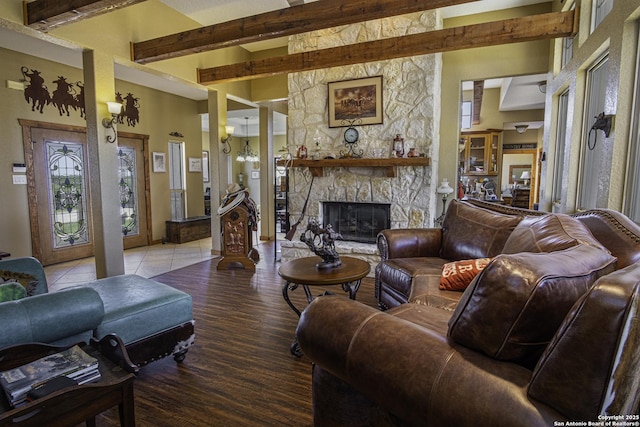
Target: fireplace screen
{"type": "Point", "coordinates": [357, 222]}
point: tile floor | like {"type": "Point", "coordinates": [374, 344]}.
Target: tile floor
{"type": "Point", "coordinates": [147, 261]}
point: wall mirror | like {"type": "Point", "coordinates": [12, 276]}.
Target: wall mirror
{"type": "Point", "coordinates": [515, 172]}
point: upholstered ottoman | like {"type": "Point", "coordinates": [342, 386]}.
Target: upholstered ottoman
{"type": "Point", "coordinates": [153, 320]}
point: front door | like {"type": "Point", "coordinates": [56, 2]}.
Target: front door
{"type": "Point", "coordinates": [59, 200]}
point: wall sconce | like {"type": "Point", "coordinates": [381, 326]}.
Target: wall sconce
{"type": "Point", "coordinates": [542, 86]}
{"type": "Point", "coordinates": [225, 141]}
{"type": "Point", "coordinates": [115, 108]}
{"type": "Point", "coordinates": [526, 176]}
{"type": "Point", "coordinates": [444, 189]}
{"type": "Point", "coordinates": [521, 128]}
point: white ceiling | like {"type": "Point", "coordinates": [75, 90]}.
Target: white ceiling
{"type": "Point", "coordinates": [517, 93]}
{"type": "Point", "coordinates": [15, 36]}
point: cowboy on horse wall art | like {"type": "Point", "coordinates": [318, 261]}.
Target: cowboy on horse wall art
{"type": "Point", "coordinates": [66, 97]}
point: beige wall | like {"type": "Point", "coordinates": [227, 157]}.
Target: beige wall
{"type": "Point", "coordinates": [479, 64]}
{"type": "Point", "coordinates": [160, 114]}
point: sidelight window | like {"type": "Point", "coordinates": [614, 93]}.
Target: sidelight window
{"type": "Point", "coordinates": [632, 206]}
{"type": "Point", "coordinates": [559, 178]}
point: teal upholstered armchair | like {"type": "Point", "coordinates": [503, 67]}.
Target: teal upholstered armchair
{"type": "Point", "coordinates": [30, 313]}
{"type": "Point", "coordinates": [151, 319]}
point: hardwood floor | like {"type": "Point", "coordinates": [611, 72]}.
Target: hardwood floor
{"type": "Point", "coordinates": [240, 371]}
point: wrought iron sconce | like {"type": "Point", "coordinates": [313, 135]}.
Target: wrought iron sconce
{"type": "Point", "coordinates": [225, 141]}
{"type": "Point", "coordinates": [115, 108]}
{"type": "Point", "coordinates": [542, 86]}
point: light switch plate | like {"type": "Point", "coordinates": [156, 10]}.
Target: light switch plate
{"type": "Point", "coordinates": [19, 179]}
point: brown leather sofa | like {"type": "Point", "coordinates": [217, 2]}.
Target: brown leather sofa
{"type": "Point", "coordinates": [548, 331]}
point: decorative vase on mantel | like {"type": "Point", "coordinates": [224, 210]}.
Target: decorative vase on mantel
{"type": "Point", "coordinates": [398, 145]}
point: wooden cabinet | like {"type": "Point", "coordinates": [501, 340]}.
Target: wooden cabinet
{"type": "Point", "coordinates": [480, 163]}
{"type": "Point", "coordinates": [481, 154]}
{"type": "Point", "coordinates": [521, 198]}
{"type": "Point", "coordinates": [281, 203]}
{"type": "Point", "coordinates": [281, 196]}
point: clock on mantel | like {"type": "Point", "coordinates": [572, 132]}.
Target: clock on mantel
{"type": "Point", "coordinates": [316, 167]}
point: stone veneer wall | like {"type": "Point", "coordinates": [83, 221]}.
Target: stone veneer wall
{"type": "Point", "coordinates": [411, 104]}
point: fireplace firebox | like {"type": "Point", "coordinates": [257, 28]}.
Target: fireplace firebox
{"type": "Point", "coordinates": [357, 222]}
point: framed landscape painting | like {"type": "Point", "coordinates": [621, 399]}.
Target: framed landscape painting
{"type": "Point", "coordinates": [356, 101]}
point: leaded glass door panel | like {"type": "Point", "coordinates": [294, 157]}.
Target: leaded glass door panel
{"type": "Point", "coordinates": [63, 201]}
{"type": "Point", "coordinates": [131, 182]}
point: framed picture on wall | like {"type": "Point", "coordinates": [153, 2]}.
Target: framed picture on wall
{"type": "Point", "coordinates": [159, 162]}
{"type": "Point", "coordinates": [205, 166]}
{"type": "Point", "coordinates": [356, 101]}
{"type": "Point", "coordinates": [195, 164]}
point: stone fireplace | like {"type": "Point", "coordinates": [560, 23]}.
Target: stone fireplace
{"type": "Point", "coordinates": [411, 107]}
{"type": "Point", "coordinates": [408, 197]}
{"type": "Point", "coordinates": [356, 222]}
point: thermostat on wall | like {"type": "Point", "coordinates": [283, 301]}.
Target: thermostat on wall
{"type": "Point", "coordinates": [19, 168]}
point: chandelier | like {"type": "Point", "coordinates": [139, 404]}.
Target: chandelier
{"type": "Point", "coordinates": [247, 154]}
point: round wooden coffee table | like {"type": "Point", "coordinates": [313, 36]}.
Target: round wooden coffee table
{"type": "Point", "coordinates": [303, 271]}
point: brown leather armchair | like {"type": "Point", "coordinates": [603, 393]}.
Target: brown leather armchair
{"type": "Point", "coordinates": [399, 367]}
{"type": "Point", "coordinates": [547, 332]}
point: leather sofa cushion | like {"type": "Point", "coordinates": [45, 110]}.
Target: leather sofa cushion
{"type": "Point", "coordinates": [401, 272]}
{"type": "Point", "coordinates": [548, 233]}
{"type": "Point", "coordinates": [600, 334]}
{"type": "Point", "coordinates": [514, 306]}
{"type": "Point", "coordinates": [426, 290]}
{"type": "Point", "coordinates": [469, 232]}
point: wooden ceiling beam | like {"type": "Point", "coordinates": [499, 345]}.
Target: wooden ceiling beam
{"type": "Point", "coordinates": [279, 23]}
{"type": "Point", "coordinates": [536, 27]}
{"type": "Point", "coordinates": [45, 15]}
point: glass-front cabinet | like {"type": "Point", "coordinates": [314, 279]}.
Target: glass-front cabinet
{"type": "Point", "coordinates": [479, 162]}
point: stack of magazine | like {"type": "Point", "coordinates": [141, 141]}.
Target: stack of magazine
{"type": "Point", "coordinates": [41, 374]}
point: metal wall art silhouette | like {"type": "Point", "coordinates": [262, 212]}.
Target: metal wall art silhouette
{"type": "Point", "coordinates": [35, 92]}
{"type": "Point", "coordinates": [130, 109]}
{"type": "Point", "coordinates": [64, 96]}
{"type": "Point", "coordinates": [67, 96]}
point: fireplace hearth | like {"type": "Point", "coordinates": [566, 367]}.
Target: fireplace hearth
{"type": "Point", "coordinates": [357, 222]}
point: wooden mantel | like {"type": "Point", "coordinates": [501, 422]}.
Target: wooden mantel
{"type": "Point", "coordinates": [316, 167]}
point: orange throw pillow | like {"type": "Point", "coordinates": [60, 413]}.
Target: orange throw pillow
{"type": "Point", "coordinates": [456, 276]}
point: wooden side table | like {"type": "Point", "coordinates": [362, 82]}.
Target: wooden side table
{"type": "Point", "coordinates": [73, 405]}
{"type": "Point", "coordinates": [303, 271]}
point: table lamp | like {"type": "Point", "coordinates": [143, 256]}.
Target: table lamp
{"type": "Point", "coordinates": [526, 176]}
{"type": "Point", "coordinates": [444, 189]}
